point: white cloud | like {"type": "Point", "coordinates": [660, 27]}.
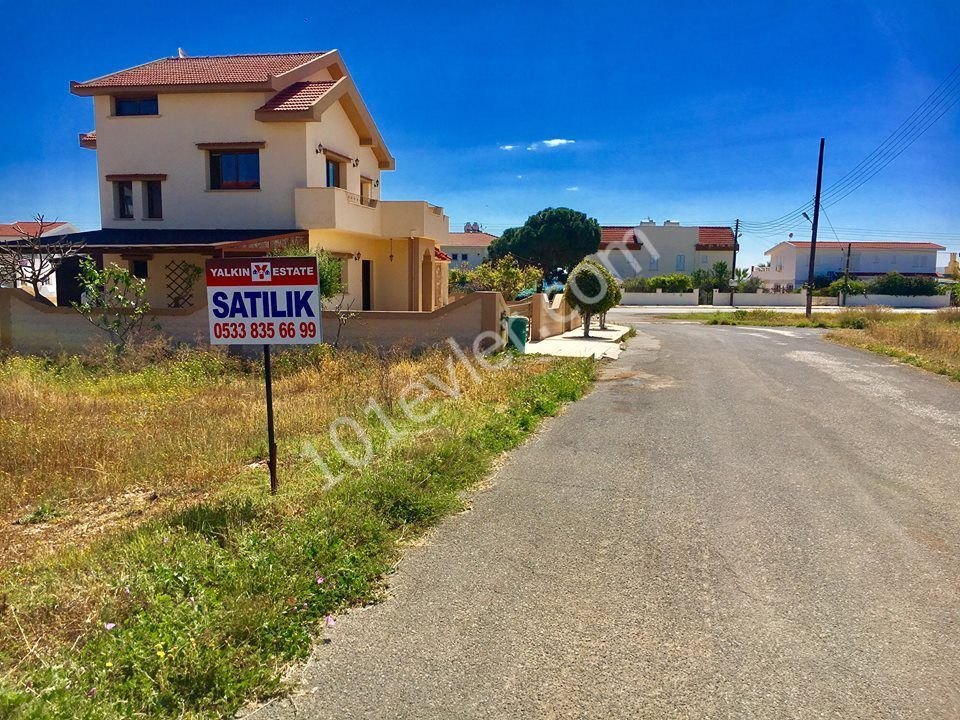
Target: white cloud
{"type": "Point", "coordinates": [573, 188]}
{"type": "Point", "coordinates": [552, 143]}
{"type": "Point", "coordinates": [519, 177]}
{"type": "Point", "coordinates": [508, 147]}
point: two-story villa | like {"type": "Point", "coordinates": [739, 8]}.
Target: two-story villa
{"type": "Point", "coordinates": [237, 155]}
{"type": "Point", "coordinates": [790, 261]}
{"type": "Point", "coordinates": [647, 250]}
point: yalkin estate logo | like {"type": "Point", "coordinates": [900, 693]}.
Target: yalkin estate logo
{"type": "Point", "coordinates": [261, 272]}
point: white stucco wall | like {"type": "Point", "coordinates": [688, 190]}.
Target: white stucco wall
{"type": "Point", "coordinates": [472, 255]}
{"type": "Point", "coordinates": [790, 264]}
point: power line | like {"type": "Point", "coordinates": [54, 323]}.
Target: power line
{"type": "Point", "coordinates": [937, 104]}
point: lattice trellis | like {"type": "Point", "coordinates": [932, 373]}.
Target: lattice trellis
{"type": "Point", "coordinates": [181, 277]}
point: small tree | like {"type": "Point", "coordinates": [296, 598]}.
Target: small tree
{"type": "Point", "coordinates": [330, 283]}
{"type": "Point", "coordinates": [720, 276]}
{"type": "Point", "coordinates": [32, 259]}
{"type": "Point", "coordinates": [505, 276]}
{"type": "Point", "coordinates": [112, 299]}
{"type": "Point", "coordinates": [591, 290]}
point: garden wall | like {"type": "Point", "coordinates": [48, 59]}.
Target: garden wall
{"type": "Point", "coordinates": [899, 301]}
{"type": "Point", "coordinates": [661, 298]}
{"type": "Point", "coordinates": [770, 299]}
{"type": "Point", "coordinates": [26, 326]}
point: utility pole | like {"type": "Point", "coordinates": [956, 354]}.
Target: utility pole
{"type": "Point", "coordinates": [813, 234]}
{"type": "Point", "coordinates": [846, 275]}
{"type": "Point", "coordinates": [733, 268]}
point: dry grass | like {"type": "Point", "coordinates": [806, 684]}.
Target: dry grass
{"type": "Point", "coordinates": [93, 449]}
{"type": "Point", "coordinates": [931, 341]}
{"type": "Point", "coordinates": [202, 600]}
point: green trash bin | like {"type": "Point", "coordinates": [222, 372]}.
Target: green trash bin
{"type": "Point", "coordinates": [517, 331]}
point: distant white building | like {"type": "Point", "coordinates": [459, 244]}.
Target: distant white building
{"type": "Point", "coordinates": [790, 261]}
{"type": "Point", "coordinates": [468, 248]}
{"type": "Point", "coordinates": [16, 230]}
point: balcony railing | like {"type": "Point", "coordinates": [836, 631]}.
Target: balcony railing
{"type": "Point", "coordinates": [355, 199]}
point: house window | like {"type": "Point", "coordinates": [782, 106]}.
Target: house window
{"type": "Point", "coordinates": [916, 261]}
{"type": "Point", "coordinates": [129, 106]}
{"type": "Point", "coordinates": [681, 262]}
{"type": "Point", "coordinates": [366, 188]}
{"type": "Point", "coordinates": [153, 199]}
{"type": "Point", "coordinates": [655, 263]}
{"type": "Point", "coordinates": [139, 269]}
{"type": "Point", "coordinates": [334, 173]}
{"type": "Point", "coordinates": [123, 199]}
{"type": "Point", "coordinates": [703, 259]}
{"type": "Point", "coordinates": [234, 169]}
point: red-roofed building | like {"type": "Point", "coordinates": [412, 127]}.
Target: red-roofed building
{"type": "Point", "coordinates": [790, 261]}
{"type": "Point", "coordinates": [468, 248]}
{"type": "Point", "coordinates": [236, 154]}
{"type": "Point", "coordinates": [648, 249]}
{"type": "Point", "coordinates": [14, 230]}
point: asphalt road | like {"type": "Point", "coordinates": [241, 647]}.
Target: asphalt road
{"type": "Point", "coordinates": [736, 523]}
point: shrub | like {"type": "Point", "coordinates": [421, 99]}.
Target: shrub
{"type": "Point", "coordinates": [893, 283]}
{"type": "Point", "coordinates": [848, 287]}
{"type": "Point", "coordinates": [676, 283]}
{"type": "Point", "coordinates": [751, 285]}
{"type": "Point", "coordinates": [504, 275]}
{"type": "Point", "coordinates": [855, 323]}
{"type": "Point", "coordinates": [329, 269]}
{"type": "Point", "coordinates": [459, 281]}
{"type": "Point", "coordinates": [637, 284]}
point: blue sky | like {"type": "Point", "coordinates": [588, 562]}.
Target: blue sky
{"type": "Point", "coordinates": [700, 112]}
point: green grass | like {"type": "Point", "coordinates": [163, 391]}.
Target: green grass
{"type": "Point", "coordinates": [855, 318]}
{"type": "Point", "coordinates": [199, 611]}
{"type": "Point", "coordinates": [41, 514]}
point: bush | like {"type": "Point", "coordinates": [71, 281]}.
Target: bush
{"type": "Point", "coordinates": [504, 275]}
{"type": "Point", "coordinates": [751, 285]}
{"type": "Point", "coordinates": [855, 323]}
{"type": "Point", "coordinates": [637, 285]}
{"type": "Point", "coordinates": [894, 283]}
{"type": "Point", "coordinates": [676, 283]}
{"type": "Point", "coordinates": [848, 287]}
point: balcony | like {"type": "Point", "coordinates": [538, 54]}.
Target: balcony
{"type": "Point", "coordinates": [337, 209]}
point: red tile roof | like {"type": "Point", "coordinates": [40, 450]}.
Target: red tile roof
{"type": "Point", "coordinates": [89, 140]}
{"type": "Point", "coordinates": [616, 234]}
{"type": "Point", "coordinates": [869, 245]}
{"type": "Point", "coordinates": [10, 229]}
{"type": "Point", "coordinates": [212, 69]}
{"type": "Point", "coordinates": [441, 255]}
{"type": "Point", "coordinates": [469, 239]}
{"type": "Point", "coordinates": [714, 237]}
{"type": "Point", "coordinates": [299, 96]}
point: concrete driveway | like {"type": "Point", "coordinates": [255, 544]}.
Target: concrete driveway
{"type": "Point", "coordinates": [736, 523]}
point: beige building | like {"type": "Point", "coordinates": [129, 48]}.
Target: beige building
{"type": "Point", "coordinates": [469, 248]}
{"type": "Point", "coordinates": [647, 250]}
{"type": "Point", "coordinates": [237, 155]}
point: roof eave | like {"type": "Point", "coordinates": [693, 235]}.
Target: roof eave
{"type": "Point", "coordinates": [82, 90]}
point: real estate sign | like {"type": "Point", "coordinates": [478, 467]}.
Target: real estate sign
{"type": "Point", "coordinates": [263, 301]}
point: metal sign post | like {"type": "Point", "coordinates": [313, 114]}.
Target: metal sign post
{"type": "Point", "coordinates": [264, 301]}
